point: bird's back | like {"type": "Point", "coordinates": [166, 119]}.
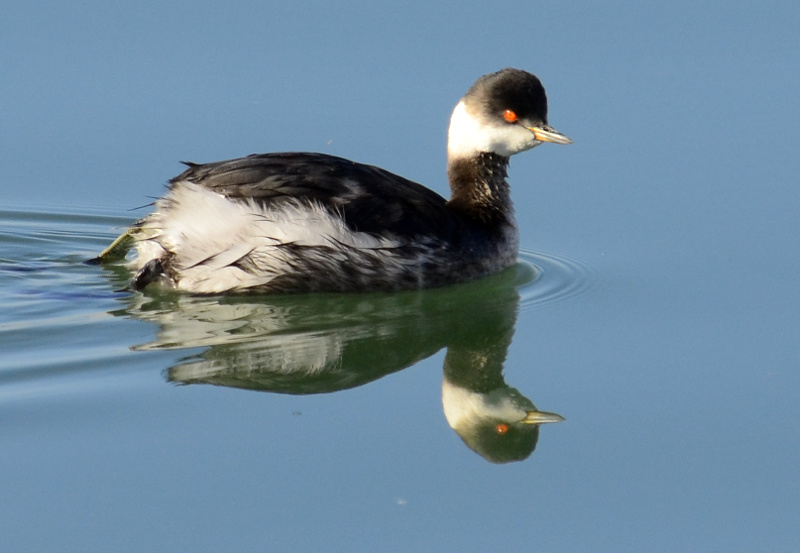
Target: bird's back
{"type": "Point", "coordinates": [369, 199]}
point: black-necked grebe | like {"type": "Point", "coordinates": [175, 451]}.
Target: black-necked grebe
{"type": "Point", "coordinates": [306, 222]}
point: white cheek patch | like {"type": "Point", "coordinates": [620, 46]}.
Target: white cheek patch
{"type": "Point", "coordinates": [469, 135]}
{"type": "Point", "coordinates": [464, 408]}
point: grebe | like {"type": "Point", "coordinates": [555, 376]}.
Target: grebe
{"type": "Point", "coordinates": [308, 222]}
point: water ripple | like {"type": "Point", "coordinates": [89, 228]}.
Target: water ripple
{"type": "Point", "coordinates": [553, 279]}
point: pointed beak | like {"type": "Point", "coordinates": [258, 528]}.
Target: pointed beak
{"type": "Point", "coordinates": [541, 417]}
{"type": "Point", "coordinates": [545, 133]}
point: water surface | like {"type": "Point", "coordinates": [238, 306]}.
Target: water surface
{"type": "Point", "coordinates": [367, 421]}
{"type": "Point", "coordinates": [659, 312]}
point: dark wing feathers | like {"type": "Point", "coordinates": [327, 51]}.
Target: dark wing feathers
{"type": "Point", "coordinates": [369, 198]}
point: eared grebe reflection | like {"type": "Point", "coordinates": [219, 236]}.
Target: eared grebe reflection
{"type": "Point", "coordinates": [308, 222]}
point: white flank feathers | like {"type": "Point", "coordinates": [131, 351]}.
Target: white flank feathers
{"type": "Point", "coordinates": [207, 234]}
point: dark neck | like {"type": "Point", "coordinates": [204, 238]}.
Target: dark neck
{"type": "Point", "coordinates": [479, 189]}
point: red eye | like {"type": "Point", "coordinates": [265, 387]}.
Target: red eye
{"type": "Point", "coordinates": [509, 116]}
{"type": "Point", "coordinates": [501, 428]}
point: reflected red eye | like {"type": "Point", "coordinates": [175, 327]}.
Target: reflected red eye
{"type": "Point", "coordinates": [509, 116]}
{"type": "Point", "coordinates": [501, 428]}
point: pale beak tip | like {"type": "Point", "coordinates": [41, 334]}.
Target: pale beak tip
{"type": "Point", "coordinates": [542, 417]}
{"type": "Point", "coordinates": [549, 134]}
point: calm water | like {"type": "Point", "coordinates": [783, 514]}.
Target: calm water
{"type": "Point", "coordinates": [157, 421]}
{"type": "Point", "coordinates": [660, 315]}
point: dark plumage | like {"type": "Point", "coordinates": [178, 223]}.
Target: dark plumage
{"type": "Point", "coordinates": [368, 198]}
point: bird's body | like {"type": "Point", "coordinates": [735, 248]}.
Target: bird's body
{"type": "Point", "coordinates": [304, 222]}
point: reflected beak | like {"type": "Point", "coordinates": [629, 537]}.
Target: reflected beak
{"type": "Point", "coordinates": [542, 417]}
{"type": "Point", "coordinates": [546, 133]}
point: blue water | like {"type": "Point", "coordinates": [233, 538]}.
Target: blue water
{"type": "Point", "coordinates": [656, 307]}
{"type": "Point", "coordinates": [163, 421]}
